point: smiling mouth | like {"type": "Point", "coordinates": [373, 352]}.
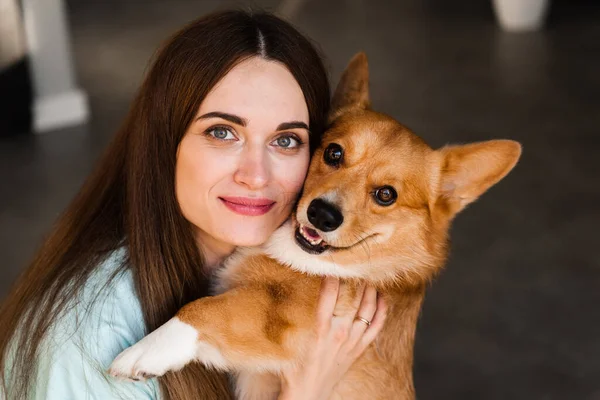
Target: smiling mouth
{"type": "Point", "coordinates": [310, 241]}
{"type": "Point", "coordinates": [247, 206]}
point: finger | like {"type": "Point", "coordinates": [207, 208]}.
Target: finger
{"type": "Point", "coordinates": [358, 297]}
{"type": "Point", "coordinates": [327, 298]}
{"type": "Point", "coordinates": [368, 304]}
{"type": "Point", "coordinates": [368, 307]}
{"type": "Point", "coordinates": [376, 324]}
{"type": "Point", "coordinates": [349, 299]}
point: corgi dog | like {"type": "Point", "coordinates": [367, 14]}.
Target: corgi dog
{"type": "Point", "coordinates": [376, 208]}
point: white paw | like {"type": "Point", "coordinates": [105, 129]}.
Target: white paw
{"type": "Point", "coordinates": [168, 348]}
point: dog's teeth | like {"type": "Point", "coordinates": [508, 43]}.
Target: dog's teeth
{"type": "Point", "coordinates": [315, 242]}
{"type": "Point", "coordinates": [312, 241]}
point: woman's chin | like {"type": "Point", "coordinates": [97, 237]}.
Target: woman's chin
{"type": "Point", "coordinates": [249, 239]}
{"type": "Point", "coordinates": [250, 243]}
{"type": "Point", "coordinates": [247, 234]}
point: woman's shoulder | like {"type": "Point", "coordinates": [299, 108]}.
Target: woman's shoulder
{"type": "Point", "coordinates": [104, 319]}
{"type": "Point", "coordinates": [107, 307]}
{"type": "Point", "coordinates": [110, 287]}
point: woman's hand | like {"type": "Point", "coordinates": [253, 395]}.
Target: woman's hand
{"type": "Point", "coordinates": [341, 339]}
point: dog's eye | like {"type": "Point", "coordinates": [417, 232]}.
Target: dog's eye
{"type": "Point", "coordinates": [333, 154]}
{"type": "Point", "coordinates": [385, 195]}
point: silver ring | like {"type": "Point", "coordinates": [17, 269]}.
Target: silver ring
{"type": "Point", "coordinates": [366, 321]}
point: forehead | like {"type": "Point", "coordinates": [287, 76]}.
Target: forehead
{"type": "Point", "coordinates": [377, 140]}
{"type": "Point", "coordinates": [385, 153]}
{"type": "Point", "coordinates": [258, 88]}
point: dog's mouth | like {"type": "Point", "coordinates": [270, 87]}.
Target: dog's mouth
{"type": "Point", "coordinates": [310, 240]}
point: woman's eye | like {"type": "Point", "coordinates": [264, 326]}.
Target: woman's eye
{"type": "Point", "coordinates": [221, 133]}
{"type": "Point", "coordinates": [287, 142]}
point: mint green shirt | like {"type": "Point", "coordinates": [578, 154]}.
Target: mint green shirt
{"type": "Point", "coordinates": [82, 344]}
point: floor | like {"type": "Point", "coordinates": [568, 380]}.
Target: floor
{"type": "Point", "coordinates": [515, 314]}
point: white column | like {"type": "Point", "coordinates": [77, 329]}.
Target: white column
{"type": "Point", "coordinates": [12, 46]}
{"type": "Point", "coordinates": [58, 101]}
{"type": "Point", "coordinates": [521, 15]}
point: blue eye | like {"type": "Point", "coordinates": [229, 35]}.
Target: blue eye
{"type": "Point", "coordinates": [284, 141]}
{"type": "Point", "coordinates": [287, 142]}
{"type": "Point", "coordinates": [221, 133]}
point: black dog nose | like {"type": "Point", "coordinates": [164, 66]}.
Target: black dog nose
{"type": "Point", "coordinates": [324, 216]}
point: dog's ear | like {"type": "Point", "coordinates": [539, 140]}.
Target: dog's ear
{"type": "Point", "coordinates": [467, 171]}
{"type": "Point", "coordinates": [353, 90]}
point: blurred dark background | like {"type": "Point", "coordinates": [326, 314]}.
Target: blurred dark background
{"type": "Point", "coordinates": [515, 314]}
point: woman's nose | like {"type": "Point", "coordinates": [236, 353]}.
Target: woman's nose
{"type": "Point", "coordinates": [253, 169]}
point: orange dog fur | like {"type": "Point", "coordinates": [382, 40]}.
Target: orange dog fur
{"type": "Point", "coordinates": [264, 318]}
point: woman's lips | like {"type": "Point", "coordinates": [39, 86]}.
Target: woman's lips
{"type": "Point", "coordinates": [247, 205]}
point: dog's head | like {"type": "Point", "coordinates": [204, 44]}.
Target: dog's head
{"type": "Point", "coordinates": [378, 201]}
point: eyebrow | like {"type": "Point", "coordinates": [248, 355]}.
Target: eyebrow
{"type": "Point", "coordinates": [228, 117]}
{"type": "Point", "coordinates": [241, 121]}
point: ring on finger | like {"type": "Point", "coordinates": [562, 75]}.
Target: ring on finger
{"type": "Point", "coordinates": [363, 320]}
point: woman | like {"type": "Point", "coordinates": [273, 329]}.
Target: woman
{"type": "Point", "coordinates": [212, 156]}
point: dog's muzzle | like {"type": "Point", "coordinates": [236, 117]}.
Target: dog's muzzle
{"type": "Point", "coordinates": [324, 216]}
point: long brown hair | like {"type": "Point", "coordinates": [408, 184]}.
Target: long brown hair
{"type": "Point", "coordinates": [129, 200]}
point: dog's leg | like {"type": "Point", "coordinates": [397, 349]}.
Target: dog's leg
{"type": "Point", "coordinates": [170, 347]}
{"type": "Point", "coordinates": [256, 329]}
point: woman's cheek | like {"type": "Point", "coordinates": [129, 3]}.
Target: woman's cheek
{"type": "Point", "coordinates": [293, 176]}
{"type": "Point", "coordinates": [199, 170]}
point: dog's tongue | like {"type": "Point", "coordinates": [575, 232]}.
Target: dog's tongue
{"type": "Point", "coordinates": [311, 233]}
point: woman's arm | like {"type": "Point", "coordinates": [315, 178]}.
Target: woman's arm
{"type": "Point", "coordinates": [341, 340]}
{"type": "Point", "coordinates": [74, 356]}
{"type": "Point", "coordinates": [70, 372]}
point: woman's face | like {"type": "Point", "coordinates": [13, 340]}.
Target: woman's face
{"type": "Point", "coordinates": [243, 160]}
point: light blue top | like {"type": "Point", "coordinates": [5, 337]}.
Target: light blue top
{"type": "Point", "coordinates": [82, 344]}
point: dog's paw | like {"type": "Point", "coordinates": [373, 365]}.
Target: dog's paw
{"type": "Point", "coordinates": [168, 348]}
{"type": "Point", "coordinates": [134, 365]}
